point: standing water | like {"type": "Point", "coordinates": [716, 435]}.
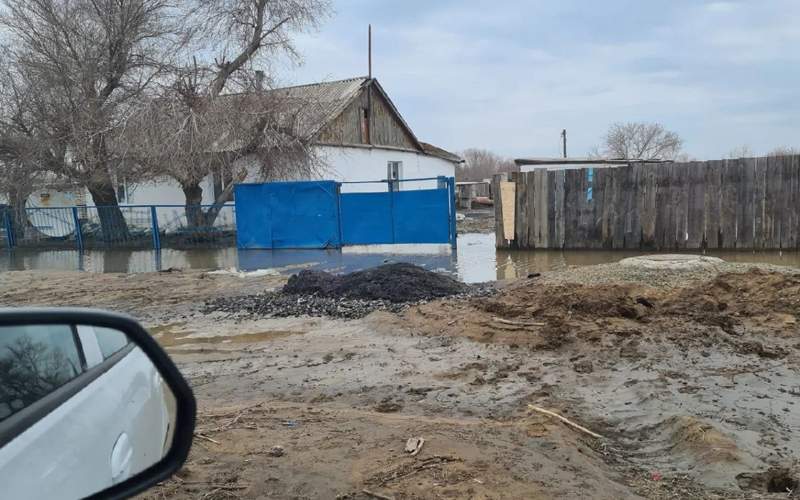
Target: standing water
{"type": "Point", "coordinates": [476, 259]}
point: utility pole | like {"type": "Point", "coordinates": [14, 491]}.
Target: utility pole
{"type": "Point", "coordinates": [369, 50]}
{"type": "Point", "coordinates": [564, 141]}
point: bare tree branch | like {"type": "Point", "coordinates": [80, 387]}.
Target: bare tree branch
{"type": "Point", "coordinates": [648, 141]}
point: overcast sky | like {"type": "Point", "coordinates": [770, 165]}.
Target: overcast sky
{"type": "Point", "coordinates": [508, 75]}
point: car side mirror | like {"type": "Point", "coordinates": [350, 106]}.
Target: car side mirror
{"type": "Point", "coordinates": [90, 406]}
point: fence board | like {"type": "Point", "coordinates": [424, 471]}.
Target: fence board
{"type": "Point", "coordinates": [773, 195]}
{"type": "Point", "coordinates": [746, 213]}
{"type": "Point", "coordinates": [556, 216]}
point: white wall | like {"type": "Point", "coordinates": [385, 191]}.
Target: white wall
{"type": "Point", "coordinates": [369, 164]}
{"type": "Point", "coordinates": [343, 164]}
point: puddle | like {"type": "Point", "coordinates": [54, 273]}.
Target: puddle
{"type": "Point", "coordinates": [175, 335]}
{"type": "Point", "coordinates": [476, 259]}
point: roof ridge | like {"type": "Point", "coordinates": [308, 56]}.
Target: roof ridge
{"type": "Point", "coordinates": [322, 83]}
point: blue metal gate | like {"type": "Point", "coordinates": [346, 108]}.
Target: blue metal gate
{"type": "Point", "coordinates": [317, 214]}
{"type": "Point", "coordinates": [288, 215]}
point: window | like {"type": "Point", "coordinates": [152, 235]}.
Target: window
{"type": "Point", "coordinates": [35, 360]}
{"type": "Point", "coordinates": [110, 341]}
{"type": "Point", "coordinates": [394, 172]}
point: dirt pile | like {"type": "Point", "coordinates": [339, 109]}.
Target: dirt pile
{"type": "Point", "coordinates": [750, 310]}
{"type": "Point", "coordinates": [397, 283]}
{"type": "Point", "coordinates": [391, 287]}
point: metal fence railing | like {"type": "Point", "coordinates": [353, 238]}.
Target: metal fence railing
{"type": "Point", "coordinates": [132, 226]}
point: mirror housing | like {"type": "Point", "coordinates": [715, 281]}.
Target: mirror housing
{"type": "Point", "coordinates": [185, 405]}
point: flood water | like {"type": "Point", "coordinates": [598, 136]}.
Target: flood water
{"type": "Point", "coordinates": [476, 259]}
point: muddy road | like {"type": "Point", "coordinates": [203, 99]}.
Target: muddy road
{"type": "Point", "coordinates": [691, 379]}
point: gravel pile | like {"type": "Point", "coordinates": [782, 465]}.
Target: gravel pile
{"type": "Point", "coordinates": [281, 305]}
{"type": "Point", "coordinates": [391, 287]}
{"type": "Point", "coordinates": [396, 283]}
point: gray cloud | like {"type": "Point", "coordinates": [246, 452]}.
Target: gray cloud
{"type": "Point", "coordinates": [510, 75]}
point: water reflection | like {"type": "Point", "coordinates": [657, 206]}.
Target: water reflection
{"type": "Point", "coordinates": [476, 260]}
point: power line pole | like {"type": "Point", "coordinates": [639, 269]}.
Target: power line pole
{"type": "Point", "coordinates": [564, 141]}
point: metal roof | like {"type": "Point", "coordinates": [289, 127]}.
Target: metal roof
{"type": "Point", "coordinates": [323, 101]}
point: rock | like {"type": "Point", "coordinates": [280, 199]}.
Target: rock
{"type": "Point", "coordinates": [388, 406]}
{"type": "Point", "coordinates": [276, 451]}
{"type": "Point", "coordinates": [583, 366]}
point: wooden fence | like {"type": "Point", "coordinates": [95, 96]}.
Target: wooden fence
{"type": "Point", "coordinates": [749, 203]}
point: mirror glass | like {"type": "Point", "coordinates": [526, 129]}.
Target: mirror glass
{"type": "Point", "coordinates": [81, 408]}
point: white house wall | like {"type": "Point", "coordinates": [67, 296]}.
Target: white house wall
{"type": "Point", "coordinates": [369, 164]}
{"type": "Point", "coordinates": [342, 164]}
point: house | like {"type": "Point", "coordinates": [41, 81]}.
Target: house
{"type": "Point", "coordinates": [357, 133]}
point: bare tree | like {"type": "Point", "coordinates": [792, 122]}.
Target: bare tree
{"type": "Point", "coordinates": [480, 164]}
{"type": "Point", "coordinates": [89, 60]}
{"type": "Point", "coordinates": [742, 151]}
{"type": "Point", "coordinates": [199, 127]}
{"type": "Point", "coordinates": [22, 153]}
{"type": "Point", "coordinates": [647, 141]}
{"type": "Point", "coordinates": [784, 151]}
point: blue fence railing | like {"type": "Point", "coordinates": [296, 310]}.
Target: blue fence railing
{"type": "Point", "coordinates": [128, 226]}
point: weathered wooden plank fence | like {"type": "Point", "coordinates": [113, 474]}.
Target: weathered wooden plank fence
{"type": "Point", "coordinates": [748, 203]}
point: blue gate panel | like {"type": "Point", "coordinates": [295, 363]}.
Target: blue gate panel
{"type": "Point", "coordinates": [288, 215]}
{"type": "Point", "coordinates": [365, 218]}
{"type": "Point", "coordinates": [314, 214]}
{"type": "Point", "coordinates": [305, 214]}
{"type": "Point", "coordinates": [253, 216]}
{"type": "Point", "coordinates": [421, 216]}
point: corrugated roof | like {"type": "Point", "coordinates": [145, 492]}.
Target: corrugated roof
{"type": "Point", "coordinates": [322, 101]}
{"type": "Point", "coordinates": [302, 109]}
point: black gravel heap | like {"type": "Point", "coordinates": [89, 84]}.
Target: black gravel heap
{"type": "Point", "coordinates": [396, 283]}
{"type": "Point", "coordinates": [391, 287]}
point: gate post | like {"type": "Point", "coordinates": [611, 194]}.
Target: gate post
{"type": "Point", "coordinates": [391, 208]}
{"type": "Point", "coordinates": [339, 213]}
{"type": "Point", "coordinates": [9, 229]}
{"type": "Point", "coordinates": [451, 196]}
{"type": "Point", "coordinates": [78, 231]}
{"type": "Point", "coordinates": [154, 223]}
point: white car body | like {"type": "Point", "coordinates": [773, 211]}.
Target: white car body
{"type": "Point", "coordinates": [111, 429]}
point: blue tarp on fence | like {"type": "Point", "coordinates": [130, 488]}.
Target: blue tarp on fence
{"type": "Point", "coordinates": [317, 215]}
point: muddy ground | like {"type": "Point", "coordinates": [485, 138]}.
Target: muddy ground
{"type": "Point", "coordinates": [476, 220]}
{"type": "Point", "coordinates": [691, 379]}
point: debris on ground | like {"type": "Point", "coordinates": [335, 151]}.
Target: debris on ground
{"type": "Point", "coordinates": [277, 451]}
{"type": "Point", "coordinates": [390, 287]}
{"type": "Point", "coordinates": [476, 220]}
{"type": "Point", "coordinates": [414, 445]}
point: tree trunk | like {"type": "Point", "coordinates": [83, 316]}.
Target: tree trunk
{"type": "Point", "coordinates": [112, 223]}
{"type": "Point", "coordinates": [194, 199]}
{"type": "Point", "coordinates": [17, 197]}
